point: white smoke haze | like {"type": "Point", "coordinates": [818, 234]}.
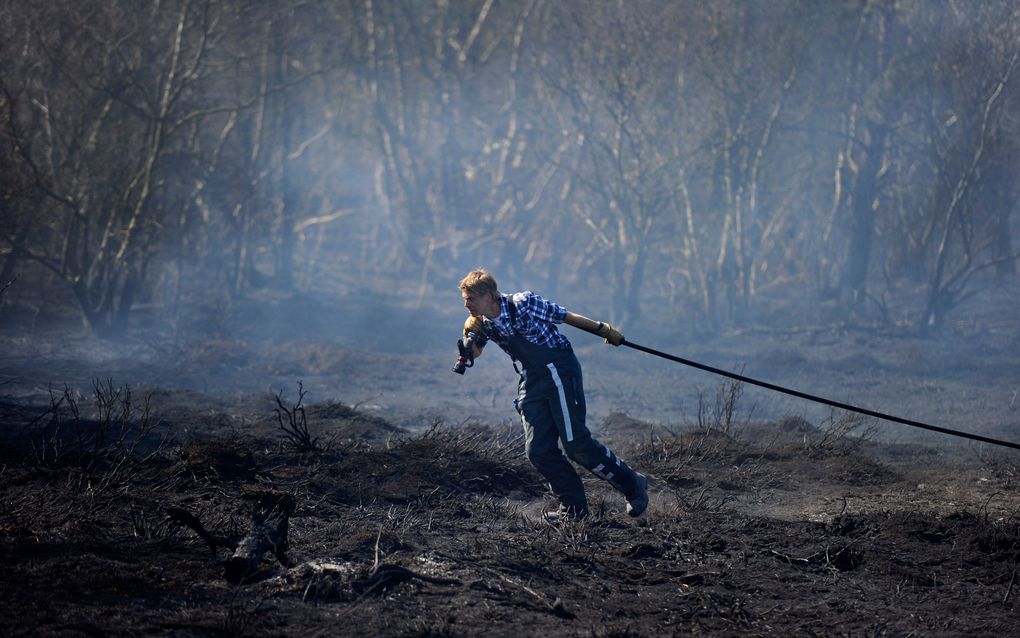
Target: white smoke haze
{"type": "Point", "coordinates": [231, 198]}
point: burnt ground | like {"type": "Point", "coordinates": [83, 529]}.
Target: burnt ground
{"type": "Point", "coordinates": [410, 515]}
{"type": "Point", "coordinates": [786, 529]}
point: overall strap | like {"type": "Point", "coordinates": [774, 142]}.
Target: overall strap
{"type": "Point", "coordinates": [511, 309]}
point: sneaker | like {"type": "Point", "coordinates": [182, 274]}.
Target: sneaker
{"type": "Point", "coordinates": [637, 502]}
{"type": "Point", "coordinates": [572, 514]}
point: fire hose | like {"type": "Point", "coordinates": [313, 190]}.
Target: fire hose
{"type": "Point", "coordinates": [818, 399]}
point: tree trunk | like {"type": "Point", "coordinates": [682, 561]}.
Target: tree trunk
{"type": "Point", "coordinates": [1005, 269]}
{"type": "Point", "coordinates": [863, 206]}
{"type": "Point", "coordinates": [11, 261]}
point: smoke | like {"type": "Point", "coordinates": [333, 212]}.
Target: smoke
{"type": "Point", "coordinates": [320, 177]}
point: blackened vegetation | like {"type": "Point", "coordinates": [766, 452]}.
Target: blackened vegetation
{"type": "Point", "coordinates": [295, 425]}
{"type": "Point", "coordinates": [109, 525]}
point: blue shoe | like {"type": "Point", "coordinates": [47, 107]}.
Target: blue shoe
{"type": "Point", "coordinates": [637, 502]}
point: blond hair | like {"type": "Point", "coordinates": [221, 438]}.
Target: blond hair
{"type": "Point", "coordinates": [480, 282]}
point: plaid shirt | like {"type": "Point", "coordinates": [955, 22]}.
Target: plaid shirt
{"type": "Point", "coordinates": [535, 321]}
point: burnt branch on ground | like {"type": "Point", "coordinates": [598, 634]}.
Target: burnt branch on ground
{"type": "Point", "coordinates": [183, 517]}
{"type": "Point", "coordinates": [293, 423]}
{"type": "Point", "coordinates": [268, 534]}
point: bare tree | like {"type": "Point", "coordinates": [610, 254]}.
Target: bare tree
{"type": "Point", "coordinates": [712, 155]}
{"type": "Point", "coordinates": [627, 150]}
{"type": "Point", "coordinates": [946, 227]}
{"type": "Point", "coordinates": [114, 77]}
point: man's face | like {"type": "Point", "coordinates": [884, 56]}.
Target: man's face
{"type": "Point", "coordinates": [480, 305]}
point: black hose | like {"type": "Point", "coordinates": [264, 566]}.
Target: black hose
{"type": "Point", "coordinates": [817, 399]}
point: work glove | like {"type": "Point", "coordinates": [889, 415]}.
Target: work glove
{"type": "Point", "coordinates": [610, 334]}
{"type": "Point", "coordinates": [473, 324]}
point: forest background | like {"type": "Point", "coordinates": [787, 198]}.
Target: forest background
{"type": "Point", "coordinates": [175, 169]}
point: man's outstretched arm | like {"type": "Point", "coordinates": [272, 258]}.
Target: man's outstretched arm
{"type": "Point", "coordinates": [604, 330]}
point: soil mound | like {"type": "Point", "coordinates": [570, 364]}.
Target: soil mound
{"type": "Point", "coordinates": [620, 426]}
{"type": "Point", "coordinates": [439, 464]}
{"type": "Point", "coordinates": [345, 423]}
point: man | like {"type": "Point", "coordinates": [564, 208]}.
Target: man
{"type": "Point", "coordinates": [550, 395]}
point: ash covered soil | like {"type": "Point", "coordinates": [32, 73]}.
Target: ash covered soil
{"type": "Point", "coordinates": [782, 529]}
{"type": "Point", "coordinates": [131, 484]}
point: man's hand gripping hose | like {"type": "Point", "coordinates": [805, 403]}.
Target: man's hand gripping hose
{"type": "Point", "coordinates": [466, 358]}
{"type": "Point", "coordinates": [466, 345]}
{"type": "Point", "coordinates": [610, 334]}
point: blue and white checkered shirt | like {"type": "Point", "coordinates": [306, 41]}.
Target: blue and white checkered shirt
{"type": "Point", "coordinates": [535, 319]}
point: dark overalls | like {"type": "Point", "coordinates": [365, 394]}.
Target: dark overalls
{"type": "Point", "coordinates": [550, 399]}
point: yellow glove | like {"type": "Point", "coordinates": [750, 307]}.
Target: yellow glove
{"type": "Point", "coordinates": [473, 324]}
{"type": "Point", "coordinates": [610, 334]}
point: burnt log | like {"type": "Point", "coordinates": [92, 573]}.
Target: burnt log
{"type": "Point", "coordinates": [268, 534]}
